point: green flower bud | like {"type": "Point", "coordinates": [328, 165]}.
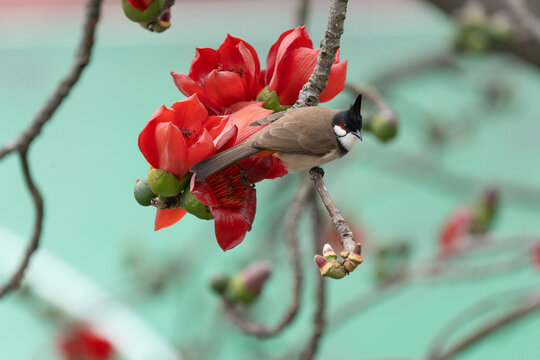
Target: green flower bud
{"type": "Point", "coordinates": [143, 193]}
{"type": "Point", "coordinates": [384, 129]}
{"type": "Point", "coordinates": [143, 16]}
{"type": "Point", "coordinates": [220, 283]}
{"type": "Point", "coordinates": [194, 206]}
{"type": "Point", "coordinates": [246, 285]}
{"type": "Point", "coordinates": [164, 183]}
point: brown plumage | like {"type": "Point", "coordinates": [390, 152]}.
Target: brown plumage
{"type": "Point", "coordinates": [300, 138]}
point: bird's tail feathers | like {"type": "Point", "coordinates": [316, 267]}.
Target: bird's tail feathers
{"type": "Point", "coordinates": [222, 160]}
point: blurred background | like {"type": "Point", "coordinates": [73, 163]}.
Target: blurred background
{"type": "Point", "coordinates": [467, 120]}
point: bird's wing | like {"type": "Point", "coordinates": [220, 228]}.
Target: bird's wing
{"type": "Point", "coordinates": [299, 134]}
{"type": "Point", "coordinates": [270, 118]}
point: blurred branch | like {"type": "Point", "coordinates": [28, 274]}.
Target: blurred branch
{"type": "Point", "coordinates": [309, 95]}
{"type": "Point", "coordinates": [22, 143]}
{"type": "Point", "coordinates": [319, 323]}
{"type": "Point", "coordinates": [530, 304]}
{"type": "Point", "coordinates": [255, 328]}
{"type": "Point", "coordinates": [371, 94]}
{"type": "Point", "coordinates": [525, 41]}
{"type": "Point", "coordinates": [302, 12]}
{"type": "Point", "coordinates": [445, 59]}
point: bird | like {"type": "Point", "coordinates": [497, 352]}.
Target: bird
{"type": "Point", "coordinates": [301, 138]}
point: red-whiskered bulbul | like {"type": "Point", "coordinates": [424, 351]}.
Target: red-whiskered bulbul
{"type": "Point", "coordinates": [301, 138]}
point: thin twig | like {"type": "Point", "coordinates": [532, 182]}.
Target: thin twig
{"type": "Point", "coordinates": [531, 304]}
{"type": "Point", "coordinates": [319, 323]}
{"type": "Point", "coordinates": [255, 328]}
{"type": "Point", "coordinates": [22, 143]}
{"type": "Point", "coordinates": [82, 57]}
{"type": "Point", "coordinates": [17, 276]}
{"type": "Point", "coordinates": [302, 12]}
{"type": "Point", "coordinates": [309, 95]}
{"type": "Point", "coordinates": [345, 233]}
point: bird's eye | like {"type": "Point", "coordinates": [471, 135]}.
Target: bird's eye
{"type": "Point", "coordinates": [342, 126]}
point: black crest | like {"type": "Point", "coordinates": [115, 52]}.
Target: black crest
{"type": "Point", "coordinates": [352, 118]}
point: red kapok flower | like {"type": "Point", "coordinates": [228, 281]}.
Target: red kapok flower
{"type": "Point", "coordinates": [231, 198]}
{"type": "Point", "coordinates": [222, 77]}
{"type": "Point", "coordinates": [176, 138]}
{"type": "Point", "coordinates": [290, 63]}
{"type": "Point", "coordinates": [140, 4]}
{"type": "Point", "coordinates": [455, 228]}
{"type": "Point", "coordinates": [80, 342]}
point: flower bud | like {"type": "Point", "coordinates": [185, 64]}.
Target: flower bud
{"type": "Point", "coordinates": [384, 128]}
{"type": "Point", "coordinates": [143, 193]}
{"type": "Point", "coordinates": [220, 283]}
{"type": "Point", "coordinates": [194, 206]}
{"type": "Point", "coordinates": [164, 183]}
{"type": "Point", "coordinates": [328, 252]}
{"type": "Point", "coordinates": [247, 284]}
{"type": "Point", "coordinates": [142, 11]}
{"type": "Point", "coordinates": [328, 268]}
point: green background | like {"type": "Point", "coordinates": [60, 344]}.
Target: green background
{"type": "Point", "coordinates": [86, 161]}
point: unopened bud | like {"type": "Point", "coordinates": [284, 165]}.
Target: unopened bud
{"type": "Point", "coordinates": [219, 283]}
{"type": "Point", "coordinates": [142, 11]}
{"type": "Point", "coordinates": [164, 183]}
{"type": "Point", "coordinates": [384, 127]}
{"type": "Point", "coordinates": [142, 192]}
{"type": "Point", "coordinates": [247, 284]}
{"type": "Point", "coordinates": [194, 206]}
{"type": "Point", "coordinates": [329, 269]}
{"type": "Point", "coordinates": [328, 252]}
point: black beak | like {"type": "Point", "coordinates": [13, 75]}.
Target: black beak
{"type": "Point", "coordinates": [358, 134]}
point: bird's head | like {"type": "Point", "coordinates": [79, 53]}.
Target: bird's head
{"type": "Point", "coordinates": [348, 125]}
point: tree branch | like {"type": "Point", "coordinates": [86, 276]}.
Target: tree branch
{"type": "Point", "coordinates": [309, 95]}
{"type": "Point", "coordinates": [22, 143]}
{"type": "Point", "coordinates": [531, 304]}
{"type": "Point", "coordinates": [255, 328]}
{"type": "Point", "coordinates": [302, 12]}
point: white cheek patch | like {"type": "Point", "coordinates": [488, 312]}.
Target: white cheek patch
{"type": "Point", "coordinates": [348, 141]}
{"type": "Point", "coordinates": [339, 131]}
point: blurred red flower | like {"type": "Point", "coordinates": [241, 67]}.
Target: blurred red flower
{"type": "Point", "coordinates": [80, 342]}
{"type": "Point", "coordinates": [140, 4]}
{"type": "Point", "coordinates": [454, 229]}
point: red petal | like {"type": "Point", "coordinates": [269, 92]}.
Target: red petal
{"type": "Point", "coordinates": [203, 192]}
{"type": "Point", "coordinates": [263, 167]}
{"type": "Point", "coordinates": [457, 226]}
{"type": "Point", "coordinates": [293, 73]}
{"type": "Point", "coordinates": [168, 217]}
{"type": "Point", "coordinates": [288, 41]}
{"type": "Point", "coordinates": [140, 4]}
{"type": "Point", "coordinates": [162, 143]}
{"type": "Point", "coordinates": [215, 124]}
{"type": "Point", "coordinates": [189, 113]}
{"type": "Point", "coordinates": [250, 69]}
{"type": "Point", "coordinates": [230, 227]}
{"type": "Point", "coordinates": [336, 81]}
{"type": "Point", "coordinates": [203, 148]}
{"type": "Point", "coordinates": [203, 63]}
{"type": "Point", "coordinates": [224, 88]}
{"type": "Point", "coordinates": [171, 149]}
{"type": "Point", "coordinates": [227, 139]}
{"type": "Point", "coordinates": [245, 116]}
{"type": "Point", "coordinates": [188, 87]}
